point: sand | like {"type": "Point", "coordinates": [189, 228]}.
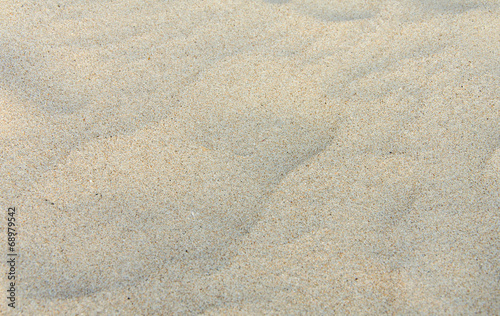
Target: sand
{"type": "Point", "coordinates": [252, 157]}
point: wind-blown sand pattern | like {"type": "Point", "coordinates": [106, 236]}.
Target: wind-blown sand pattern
{"type": "Point", "coordinates": [253, 157]}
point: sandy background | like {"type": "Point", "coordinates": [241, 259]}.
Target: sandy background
{"type": "Point", "coordinates": [252, 157]}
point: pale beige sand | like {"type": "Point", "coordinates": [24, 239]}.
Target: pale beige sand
{"type": "Point", "coordinates": [252, 157]}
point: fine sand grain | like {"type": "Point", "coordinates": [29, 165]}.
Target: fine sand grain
{"type": "Point", "coordinates": [252, 157]}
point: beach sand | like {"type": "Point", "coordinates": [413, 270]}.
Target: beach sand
{"type": "Point", "coordinates": [251, 157]}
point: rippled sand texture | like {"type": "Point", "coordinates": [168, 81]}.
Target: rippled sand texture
{"type": "Point", "coordinates": [253, 157]}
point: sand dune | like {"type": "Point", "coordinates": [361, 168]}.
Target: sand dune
{"type": "Point", "coordinates": [253, 157]}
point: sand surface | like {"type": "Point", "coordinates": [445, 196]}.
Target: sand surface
{"type": "Point", "coordinates": [252, 157]}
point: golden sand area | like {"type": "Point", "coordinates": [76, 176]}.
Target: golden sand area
{"type": "Point", "coordinates": [252, 157]}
